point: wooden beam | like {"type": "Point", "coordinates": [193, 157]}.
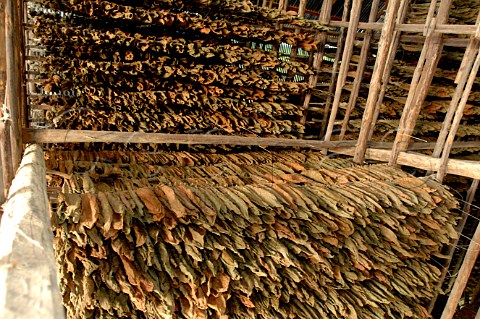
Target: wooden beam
{"type": "Point", "coordinates": [413, 27]}
{"type": "Point", "coordinates": [422, 78]}
{"type": "Point", "coordinates": [364, 53]}
{"type": "Point", "coordinates": [336, 63]}
{"type": "Point", "coordinates": [453, 244]}
{"type": "Point", "coordinates": [28, 273]}
{"type": "Point", "coordinates": [461, 80]}
{"type": "Point", "coordinates": [375, 83]}
{"type": "Point", "coordinates": [318, 59]}
{"type": "Point", "coordinates": [463, 275]}
{"type": "Point", "coordinates": [457, 119]}
{"type": "Point", "coordinates": [454, 166]}
{"type": "Point", "coordinates": [344, 66]}
{"type": "Point", "coordinates": [392, 52]}
{"type": "Point", "coordinates": [6, 155]}
{"type": "Point", "coordinates": [31, 135]}
{"type": "Point", "coordinates": [13, 88]}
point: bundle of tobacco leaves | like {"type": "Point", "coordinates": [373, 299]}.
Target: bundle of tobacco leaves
{"type": "Point", "coordinates": [171, 66]}
{"type": "Point", "coordinates": [244, 235]}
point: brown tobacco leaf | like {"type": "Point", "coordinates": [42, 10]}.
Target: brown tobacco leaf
{"type": "Point", "coordinates": [154, 206]}
{"type": "Point", "coordinates": [107, 213]}
{"type": "Point", "coordinates": [90, 210]}
{"type": "Point", "coordinates": [175, 205]}
{"type": "Point", "coordinates": [218, 303]}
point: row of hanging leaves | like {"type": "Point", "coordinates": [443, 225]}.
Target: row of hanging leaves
{"type": "Point", "coordinates": [294, 234]}
{"type": "Point", "coordinates": [168, 66]}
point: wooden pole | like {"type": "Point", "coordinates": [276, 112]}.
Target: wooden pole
{"type": "Point", "coordinates": [457, 167]}
{"type": "Point", "coordinates": [456, 120]}
{"type": "Point", "coordinates": [27, 263]}
{"type": "Point", "coordinates": [346, 57]}
{"type": "Point", "coordinates": [331, 88]}
{"type": "Point", "coordinates": [5, 168]}
{"type": "Point", "coordinates": [421, 81]}
{"type": "Point", "coordinates": [360, 69]}
{"type": "Point", "coordinates": [375, 83]}
{"type": "Point", "coordinates": [453, 245]}
{"type": "Point", "coordinates": [392, 52]}
{"type": "Point", "coordinates": [463, 275]}
{"type": "Point", "coordinates": [324, 18]}
{"type": "Point", "coordinates": [13, 89]}
{"type": "Point", "coordinates": [6, 155]}
{"type": "Point", "coordinates": [461, 80]}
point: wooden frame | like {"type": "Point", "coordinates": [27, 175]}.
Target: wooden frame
{"type": "Point", "coordinates": [28, 284]}
{"type": "Point", "coordinates": [12, 136]}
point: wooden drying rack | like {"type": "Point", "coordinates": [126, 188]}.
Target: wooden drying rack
{"type": "Point", "coordinates": [14, 131]}
{"type": "Point", "coordinates": [361, 149]}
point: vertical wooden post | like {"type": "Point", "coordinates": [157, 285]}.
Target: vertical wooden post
{"type": "Point", "coordinates": [6, 170]}
{"type": "Point", "coordinates": [360, 69]}
{"type": "Point", "coordinates": [463, 275]}
{"type": "Point", "coordinates": [6, 155]}
{"type": "Point", "coordinates": [346, 57]}
{"type": "Point", "coordinates": [331, 88]}
{"type": "Point", "coordinates": [442, 169]}
{"type": "Point", "coordinates": [324, 18]}
{"type": "Point", "coordinates": [375, 83]}
{"type": "Point", "coordinates": [388, 68]}
{"type": "Point", "coordinates": [13, 89]}
{"type": "Point", "coordinates": [453, 244]}
{"type": "Point", "coordinates": [421, 81]}
{"type": "Point", "coordinates": [462, 76]}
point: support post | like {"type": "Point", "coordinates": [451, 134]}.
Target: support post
{"type": "Point", "coordinates": [324, 18]}
{"type": "Point", "coordinates": [453, 244]}
{"type": "Point", "coordinates": [463, 275]}
{"type": "Point", "coordinates": [456, 120]}
{"type": "Point", "coordinates": [13, 67]}
{"type": "Point", "coordinates": [375, 83]}
{"type": "Point", "coordinates": [357, 82]}
{"type": "Point", "coordinates": [388, 67]}
{"type": "Point", "coordinates": [346, 57]}
{"type": "Point", "coordinates": [336, 63]}
{"type": "Point", "coordinates": [28, 277]}
{"type": "Point", "coordinates": [421, 81]}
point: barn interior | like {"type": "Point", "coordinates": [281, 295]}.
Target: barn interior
{"type": "Point", "coordinates": [240, 159]}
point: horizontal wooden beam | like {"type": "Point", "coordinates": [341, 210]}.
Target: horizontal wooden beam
{"type": "Point", "coordinates": [28, 275]}
{"type": "Point", "coordinates": [454, 166]}
{"type": "Point", "coordinates": [82, 136]}
{"type": "Point", "coordinates": [412, 27]}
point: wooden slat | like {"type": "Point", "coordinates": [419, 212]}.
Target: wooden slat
{"type": "Point", "coordinates": [31, 135]}
{"type": "Point", "coordinates": [324, 17]}
{"type": "Point", "coordinates": [392, 52]}
{"type": "Point", "coordinates": [457, 119]}
{"type": "Point", "coordinates": [422, 78]}
{"type": "Point", "coordinates": [454, 166]}
{"type": "Point", "coordinates": [375, 83]}
{"type": "Point", "coordinates": [413, 27]}
{"type": "Point", "coordinates": [461, 80]}
{"type": "Point", "coordinates": [28, 273]}
{"type": "Point", "coordinates": [360, 70]}
{"type": "Point", "coordinates": [13, 88]}
{"type": "Point", "coordinates": [463, 275]}
{"type": "Point", "coordinates": [336, 63]}
{"type": "Point", "coordinates": [6, 158]}
{"type": "Point", "coordinates": [344, 66]}
{"type": "Point", "coordinates": [453, 244]}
